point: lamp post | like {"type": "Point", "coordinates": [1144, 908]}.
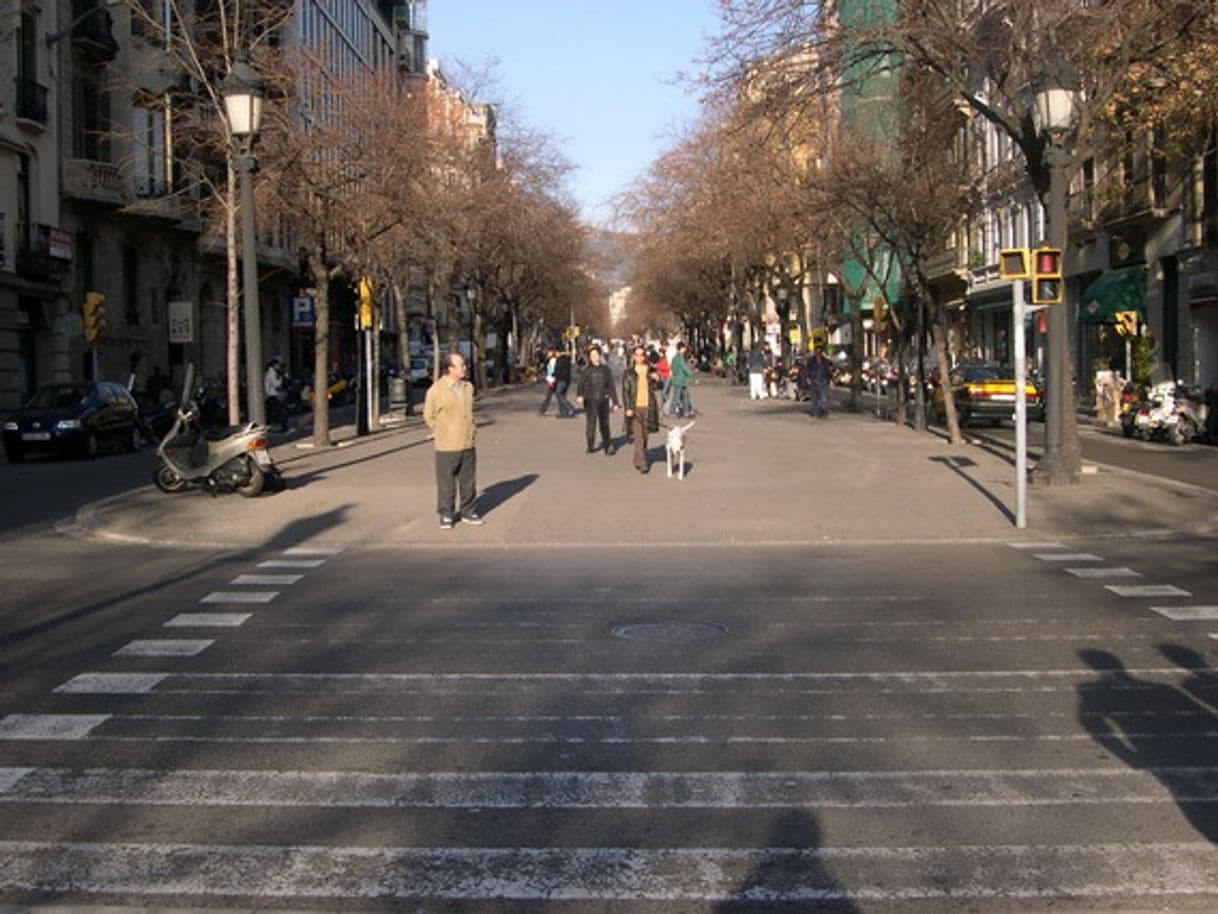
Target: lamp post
{"type": "Point", "coordinates": [1055, 102]}
{"type": "Point", "coordinates": [243, 94]}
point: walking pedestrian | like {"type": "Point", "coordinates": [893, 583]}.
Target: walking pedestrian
{"type": "Point", "coordinates": [758, 363]}
{"type": "Point", "coordinates": [598, 395]}
{"type": "Point", "coordinates": [551, 382]}
{"type": "Point", "coordinates": [820, 375]}
{"type": "Point", "coordinates": [448, 410]}
{"type": "Point", "coordinates": [681, 376]}
{"type": "Point", "coordinates": [641, 399]}
{"type": "Point", "coordinates": [562, 381]}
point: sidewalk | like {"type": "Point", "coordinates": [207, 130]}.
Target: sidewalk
{"type": "Point", "coordinates": [758, 473]}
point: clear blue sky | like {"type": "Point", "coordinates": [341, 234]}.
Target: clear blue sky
{"type": "Point", "coordinates": [600, 77]}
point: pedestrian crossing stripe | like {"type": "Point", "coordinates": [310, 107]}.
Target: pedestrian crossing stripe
{"type": "Point", "coordinates": [1187, 613]}
{"type": "Point", "coordinates": [575, 874]}
{"type": "Point", "coordinates": [208, 620]}
{"type": "Point", "coordinates": [1147, 590]}
{"type": "Point", "coordinates": [292, 563]}
{"type": "Point", "coordinates": [49, 726]}
{"type": "Point", "coordinates": [1104, 573]}
{"type": "Point", "coordinates": [1068, 557]}
{"type": "Point", "coordinates": [611, 790]}
{"type": "Point", "coordinates": [265, 579]}
{"type": "Point", "coordinates": [175, 647]}
{"type": "Point", "coordinates": [240, 596]}
{"type": "Point", "coordinates": [313, 550]}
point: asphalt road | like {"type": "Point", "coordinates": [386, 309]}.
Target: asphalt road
{"type": "Point", "coordinates": [860, 727]}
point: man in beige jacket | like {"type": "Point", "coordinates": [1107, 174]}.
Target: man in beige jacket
{"type": "Point", "coordinates": [448, 411]}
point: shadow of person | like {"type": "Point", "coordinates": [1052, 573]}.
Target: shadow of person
{"type": "Point", "coordinates": [1156, 728]}
{"type": "Point", "coordinates": [788, 874]}
{"type": "Point", "coordinates": [496, 494]}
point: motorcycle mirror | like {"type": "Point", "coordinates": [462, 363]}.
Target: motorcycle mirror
{"type": "Point", "coordinates": [188, 384]}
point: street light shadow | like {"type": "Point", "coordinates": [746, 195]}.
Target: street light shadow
{"type": "Point", "coordinates": [958, 465]}
{"type": "Point", "coordinates": [496, 494]}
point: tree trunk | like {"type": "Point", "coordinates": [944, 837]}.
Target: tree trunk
{"type": "Point", "coordinates": [856, 354]}
{"type": "Point", "coordinates": [233, 352]}
{"type": "Point", "coordinates": [945, 384]}
{"type": "Point", "coordinates": [321, 349]}
{"type": "Point", "coordinates": [403, 322]}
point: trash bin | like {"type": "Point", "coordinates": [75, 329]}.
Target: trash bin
{"type": "Point", "coordinates": [397, 393]}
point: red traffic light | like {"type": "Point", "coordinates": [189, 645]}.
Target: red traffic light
{"type": "Point", "coordinates": [1047, 262]}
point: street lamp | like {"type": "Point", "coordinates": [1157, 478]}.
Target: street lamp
{"type": "Point", "coordinates": [243, 92]}
{"type": "Point", "coordinates": [1054, 115]}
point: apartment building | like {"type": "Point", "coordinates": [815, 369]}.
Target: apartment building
{"type": "Point", "coordinates": [94, 196]}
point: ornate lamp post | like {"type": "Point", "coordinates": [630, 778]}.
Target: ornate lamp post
{"type": "Point", "coordinates": [243, 92]}
{"type": "Point", "coordinates": [1055, 103]}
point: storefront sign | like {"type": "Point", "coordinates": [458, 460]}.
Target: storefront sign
{"type": "Point", "coordinates": [181, 322]}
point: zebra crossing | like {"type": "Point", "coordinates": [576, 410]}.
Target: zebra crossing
{"type": "Point", "coordinates": [876, 774]}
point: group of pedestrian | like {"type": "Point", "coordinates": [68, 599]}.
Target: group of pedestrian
{"type": "Point", "coordinates": [817, 375]}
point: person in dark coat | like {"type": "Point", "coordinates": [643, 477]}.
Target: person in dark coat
{"type": "Point", "coordinates": [597, 394]}
{"type": "Point", "coordinates": [562, 378]}
{"type": "Point", "coordinates": [641, 396]}
{"type": "Point", "coordinates": [819, 372]}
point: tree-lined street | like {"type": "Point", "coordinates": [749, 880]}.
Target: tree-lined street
{"type": "Point", "coordinates": [685, 696]}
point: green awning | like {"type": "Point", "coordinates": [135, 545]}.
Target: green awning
{"type": "Point", "coordinates": [1116, 290]}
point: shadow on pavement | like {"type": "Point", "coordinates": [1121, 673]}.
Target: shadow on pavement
{"type": "Point", "coordinates": [958, 465]}
{"type": "Point", "coordinates": [1125, 715]}
{"type": "Point", "coordinates": [500, 492]}
{"type": "Point", "coordinates": [789, 871]}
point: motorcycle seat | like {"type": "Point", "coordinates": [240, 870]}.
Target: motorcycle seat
{"type": "Point", "coordinates": [219, 434]}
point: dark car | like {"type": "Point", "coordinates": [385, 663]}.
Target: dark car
{"type": "Point", "coordinates": [73, 418]}
{"type": "Point", "coordinates": [984, 390]}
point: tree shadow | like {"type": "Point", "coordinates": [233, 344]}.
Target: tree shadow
{"type": "Point", "coordinates": [1164, 730]}
{"type": "Point", "coordinates": [789, 874]}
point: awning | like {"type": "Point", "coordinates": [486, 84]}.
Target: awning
{"type": "Point", "coordinates": [1116, 290]}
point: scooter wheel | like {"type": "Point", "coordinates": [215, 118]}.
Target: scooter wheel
{"type": "Point", "coordinates": [167, 480]}
{"type": "Point", "coordinates": [256, 481]}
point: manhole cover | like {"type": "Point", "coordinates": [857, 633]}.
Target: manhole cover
{"type": "Point", "coordinates": [669, 631]}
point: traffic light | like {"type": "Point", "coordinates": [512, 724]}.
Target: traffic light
{"type": "Point", "coordinates": [1126, 322]}
{"type": "Point", "coordinates": [1013, 263]}
{"type": "Point", "coordinates": [1047, 276]}
{"type": "Point", "coordinates": [94, 315]}
{"type": "Point", "coordinates": [365, 303]}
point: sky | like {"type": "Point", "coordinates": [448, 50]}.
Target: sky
{"type": "Point", "coordinates": [598, 77]}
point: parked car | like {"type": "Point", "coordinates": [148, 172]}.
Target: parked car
{"type": "Point", "coordinates": [73, 419]}
{"type": "Point", "coordinates": [984, 390]}
{"type": "Point", "coordinates": [420, 371]}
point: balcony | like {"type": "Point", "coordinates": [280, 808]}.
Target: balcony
{"type": "Point", "coordinates": [97, 182]}
{"type": "Point", "coordinates": [47, 257]}
{"type": "Point", "coordinates": [156, 198]}
{"type": "Point", "coordinates": [93, 32]}
{"type": "Point", "coordinates": [32, 102]}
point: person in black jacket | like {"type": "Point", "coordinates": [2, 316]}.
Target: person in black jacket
{"type": "Point", "coordinates": [562, 377]}
{"type": "Point", "coordinates": [597, 395]}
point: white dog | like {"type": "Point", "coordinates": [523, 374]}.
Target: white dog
{"type": "Point", "coordinates": [674, 449]}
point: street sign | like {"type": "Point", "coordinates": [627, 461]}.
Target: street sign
{"type": "Point", "coordinates": [1126, 322]}
{"type": "Point", "coordinates": [181, 322]}
{"type": "Point", "coordinates": [303, 314]}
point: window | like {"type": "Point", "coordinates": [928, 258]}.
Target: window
{"type": "Point", "coordinates": [131, 287]}
{"type": "Point", "coordinates": [91, 126]}
{"type": "Point", "coordinates": [149, 153]}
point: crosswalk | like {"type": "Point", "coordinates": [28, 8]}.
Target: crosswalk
{"type": "Point", "coordinates": [190, 768]}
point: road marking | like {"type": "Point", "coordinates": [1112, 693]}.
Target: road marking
{"type": "Point", "coordinates": [773, 874]}
{"type": "Point", "coordinates": [50, 726]}
{"type": "Point", "coordinates": [1104, 572]}
{"type": "Point", "coordinates": [208, 620]}
{"type": "Point", "coordinates": [1147, 590]}
{"type": "Point", "coordinates": [292, 563]}
{"type": "Point", "coordinates": [240, 596]}
{"type": "Point", "coordinates": [313, 550]}
{"type": "Point", "coordinates": [246, 579]}
{"type": "Point", "coordinates": [609, 790]}
{"type": "Point", "coordinates": [595, 683]}
{"type": "Point", "coordinates": [165, 647]}
{"type": "Point", "coordinates": [1037, 545]}
{"type": "Point", "coordinates": [1187, 613]}
{"type": "Point", "coordinates": [1068, 557]}
{"type": "Point", "coordinates": [112, 683]}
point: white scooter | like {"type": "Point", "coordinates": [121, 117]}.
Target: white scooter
{"type": "Point", "coordinates": [233, 459]}
{"type": "Point", "coordinates": [1169, 414]}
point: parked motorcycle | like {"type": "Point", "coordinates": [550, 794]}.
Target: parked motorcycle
{"type": "Point", "coordinates": [1171, 413]}
{"type": "Point", "coordinates": [221, 460]}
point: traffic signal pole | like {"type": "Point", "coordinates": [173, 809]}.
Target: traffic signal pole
{"type": "Point", "coordinates": [1021, 405]}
